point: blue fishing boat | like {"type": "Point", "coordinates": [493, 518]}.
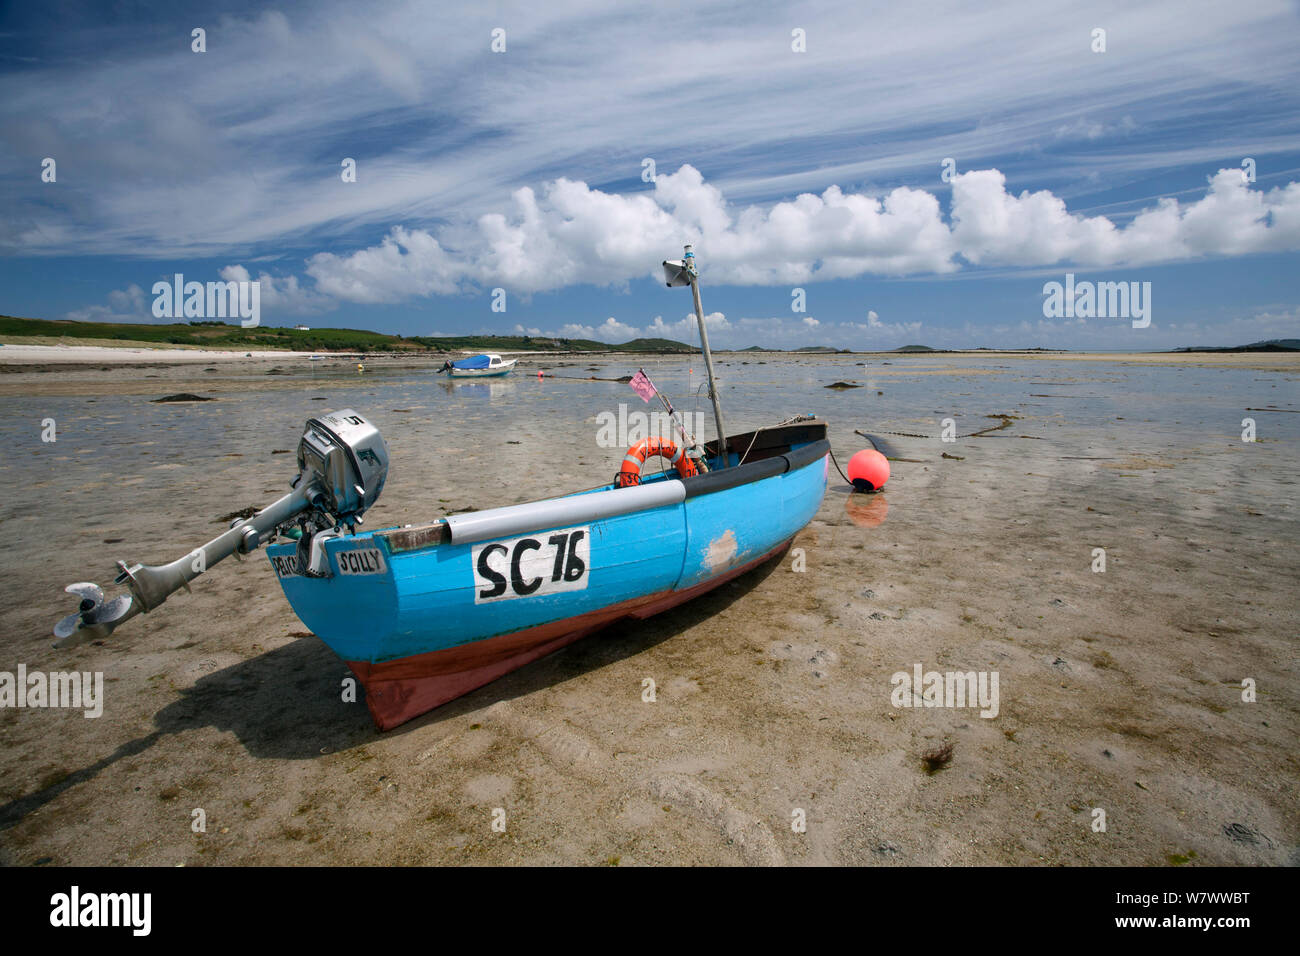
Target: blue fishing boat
{"type": "Point", "coordinates": [424, 614]}
{"type": "Point", "coordinates": [487, 365]}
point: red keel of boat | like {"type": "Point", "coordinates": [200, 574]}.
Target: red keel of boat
{"type": "Point", "coordinates": [401, 690]}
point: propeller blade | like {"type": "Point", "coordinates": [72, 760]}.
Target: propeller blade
{"type": "Point", "coordinates": [109, 613]}
{"type": "Point", "coordinates": [68, 626]}
{"type": "Point", "coordinates": [87, 591]}
{"type": "Point", "coordinates": [96, 621]}
{"type": "Point", "coordinates": [880, 445]}
{"type": "Point", "coordinates": [78, 637]}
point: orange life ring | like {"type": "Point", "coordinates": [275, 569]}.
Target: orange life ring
{"type": "Point", "coordinates": [630, 473]}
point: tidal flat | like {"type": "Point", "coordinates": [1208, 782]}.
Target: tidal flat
{"type": "Point", "coordinates": [774, 735]}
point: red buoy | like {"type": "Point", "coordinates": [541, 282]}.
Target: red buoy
{"type": "Point", "coordinates": [868, 470]}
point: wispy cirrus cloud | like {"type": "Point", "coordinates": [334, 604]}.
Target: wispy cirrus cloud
{"type": "Point", "coordinates": [523, 169]}
{"type": "Point", "coordinates": [164, 152]}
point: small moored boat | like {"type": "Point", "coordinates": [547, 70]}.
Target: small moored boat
{"type": "Point", "coordinates": [424, 614]}
{"type": "Point", "coordinates": [479, 366]}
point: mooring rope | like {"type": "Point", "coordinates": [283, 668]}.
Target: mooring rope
{"type": "Point", "coordinates": [1006, 423]}
{"type": "Point", "coordinates": [840, 470]}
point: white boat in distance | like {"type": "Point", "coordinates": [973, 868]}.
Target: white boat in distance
{"type": "Point", "coordinates": [479, 366]}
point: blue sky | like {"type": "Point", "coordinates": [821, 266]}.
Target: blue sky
{"type": "Point", "coordinates": [821, 169]}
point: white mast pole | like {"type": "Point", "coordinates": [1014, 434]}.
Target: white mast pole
{"type": "Point", "coordinates": [689, 259]}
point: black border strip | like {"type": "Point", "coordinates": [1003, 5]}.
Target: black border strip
{"type": "Point", "coordinates": [808, 454]}
{"type": "Point", "coordinates": [725, 478]}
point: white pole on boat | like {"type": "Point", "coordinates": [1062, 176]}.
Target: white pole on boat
{"type": "Point", "coordinates": [680, 273]}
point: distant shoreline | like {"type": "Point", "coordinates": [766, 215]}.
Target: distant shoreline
{"type": "Point", "coordinates": [218, 340]}
{"type": "Point", "coordinates": [18, 355]}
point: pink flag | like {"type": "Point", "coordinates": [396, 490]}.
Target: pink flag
{"type": "Point", "coordinates": [642, 386]}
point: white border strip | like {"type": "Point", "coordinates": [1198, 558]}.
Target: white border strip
{"type": "Point", "coordinates": [558, 512]}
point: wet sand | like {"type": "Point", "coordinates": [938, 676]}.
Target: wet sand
{"type": "Point", "coordinates": [1118, 690]}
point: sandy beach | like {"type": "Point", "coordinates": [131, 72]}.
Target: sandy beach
{"type": "Point", "coordinates": [1120, 691]}
{"type": "Point", "coordinates": [83, 353]}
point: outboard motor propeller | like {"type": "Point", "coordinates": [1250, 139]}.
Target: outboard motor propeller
{"type": "Point", "coordinates": [342, 466]}
{"type": "Point", "coordinates": [93, 611]}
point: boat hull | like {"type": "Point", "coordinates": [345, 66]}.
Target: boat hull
{"type": "Point", "coordinates": [401, 690]}
{"type": "Point", "coordinates": [424, 615]}
{"type": "Point", "coordinates": [480, 372]}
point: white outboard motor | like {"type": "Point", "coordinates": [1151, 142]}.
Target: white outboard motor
{"type": "Point", "coordinates": [345, 456]}
{"type": "Point", "coordinates": [342, 466]}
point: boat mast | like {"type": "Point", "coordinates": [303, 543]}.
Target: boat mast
{"type": "Point", "coordinates": [693, 275]}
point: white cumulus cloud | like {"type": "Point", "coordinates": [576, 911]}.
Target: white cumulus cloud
{"type": "Point", "coordinates": [573, 234]}
{"type": "Point", "coordinates": [124, 305]}
{"type": "Point", "coordinates": [281, 295]}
